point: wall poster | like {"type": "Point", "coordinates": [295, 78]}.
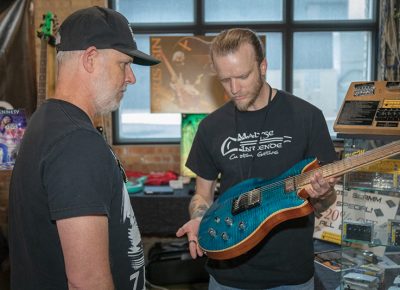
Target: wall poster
{"type": "Point", "coordinates": [12, 128]}
{"type": "Point", "coordinates": [184, 81]}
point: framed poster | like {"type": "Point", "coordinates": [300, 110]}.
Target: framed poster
{"type": "Point", "coordinates": [12, 128]}
{"type": "Point", "coordinates": [184, 81]}
{"type": "Point", "coordinates": [190, 123]}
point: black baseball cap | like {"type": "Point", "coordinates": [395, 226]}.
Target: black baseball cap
{"type": "Point", "coordinates": [103, 28]}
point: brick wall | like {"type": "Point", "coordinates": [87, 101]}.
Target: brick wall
{"type": "Point", "coordinates": [149, 158]}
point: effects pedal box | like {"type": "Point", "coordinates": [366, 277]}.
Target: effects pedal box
{"type": "Point", "coordinates": [370, 108]}
{"type": "Point", "coordinates": [357, 231]}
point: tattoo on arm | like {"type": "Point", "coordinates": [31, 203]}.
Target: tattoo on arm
{"type": "Point", "coordinates": [197, 207]}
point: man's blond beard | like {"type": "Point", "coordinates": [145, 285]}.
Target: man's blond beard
{"type": "Point", "coordinates": [251, 102]}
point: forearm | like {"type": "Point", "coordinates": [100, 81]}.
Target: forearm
{"type": "Point", "coordinates": [320, 205]}
{"type": "Point", "coordinates": [84, 242]}
{"type": "Point", "coordinates": [198, 206]}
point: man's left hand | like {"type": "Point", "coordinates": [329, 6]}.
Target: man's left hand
{"type": "Point", "coordinates": [321, 187]}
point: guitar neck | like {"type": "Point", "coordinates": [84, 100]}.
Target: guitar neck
{"type": "Point", "coordinates": [42, 87]}
{"type": "Point", "coordinates": [351, 163]}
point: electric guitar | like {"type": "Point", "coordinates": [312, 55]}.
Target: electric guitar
{"type": "Point", "coordinates": [46, 34]}
{"type": "Point", "coordinates": [243, 215]}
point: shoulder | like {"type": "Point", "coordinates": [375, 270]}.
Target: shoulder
{"type": "Point", "coordinates": [63, 120]}
{"type": "Point", "coordinates": [299, 109]}
{"type": "Point", "coordinates": [219, 116]}
{"type": "Point", "coordinates": [295, 102]}
{"type": "Point", "coordinates": [68, 128]}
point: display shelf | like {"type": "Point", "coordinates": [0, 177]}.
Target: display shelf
{"type": "Point", "coordinates": [371, 219]}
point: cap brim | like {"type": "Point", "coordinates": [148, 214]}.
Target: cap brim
{"type": "Point", "coordinates": [140, 57]}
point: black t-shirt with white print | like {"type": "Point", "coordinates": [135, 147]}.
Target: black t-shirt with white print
{"type": "Point", "coordinates": [65, 169]}
{"type": "Point", "coordinates": [263, 143]}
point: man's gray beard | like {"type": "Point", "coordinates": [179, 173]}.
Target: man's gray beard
{"type": "Point", "coordinates": [104, 106]}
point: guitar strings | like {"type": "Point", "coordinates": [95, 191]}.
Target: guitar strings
{"type": "Point", "coordinates": [303, 178]}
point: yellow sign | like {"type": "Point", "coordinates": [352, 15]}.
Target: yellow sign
{"type": "Point", "coordinates": [392, 104]}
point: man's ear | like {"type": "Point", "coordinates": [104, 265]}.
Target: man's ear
{"type": "Point", "coordinates": [263, 67]}
{"type": "Point", "coordinates": [89, 57]}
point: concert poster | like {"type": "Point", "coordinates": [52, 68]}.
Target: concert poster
{"type": "Point", "coordinates": [12, 127]}
{"type": "Point", "coordinates": [184, 82]}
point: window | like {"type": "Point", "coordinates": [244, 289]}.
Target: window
{"type": "Point", "coordinates": [314, 49]}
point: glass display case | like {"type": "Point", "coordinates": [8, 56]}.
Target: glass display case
{"type": "Point", "coordinates": [371, 218]}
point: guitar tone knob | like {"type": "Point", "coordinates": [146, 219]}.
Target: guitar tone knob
{"type": "Point", "coordinates": [217, 219]}
{"type": "Point", "coordinates": [225, 236]}
{"type": "Point", "coordinates": [212, 232]}
{"type": "Point", "coordinates": [228, 221]}
{"type": "Point", "coordinates": [242, 226]}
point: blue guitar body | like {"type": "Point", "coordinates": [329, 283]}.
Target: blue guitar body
{"type": "Point", "coordinates": [244, 214]}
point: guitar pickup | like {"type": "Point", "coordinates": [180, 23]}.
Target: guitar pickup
{"type": "Point", "coordinates": [246, 201]}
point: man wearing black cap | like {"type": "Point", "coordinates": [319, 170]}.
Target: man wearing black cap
{"type": "Point", "coordinates": [71, 225]}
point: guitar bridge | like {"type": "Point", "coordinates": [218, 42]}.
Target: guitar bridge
{"type": "Point", "coordinates": [246, 201]}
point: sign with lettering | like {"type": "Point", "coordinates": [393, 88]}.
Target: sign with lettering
{"type": "Point", "coordinates": [357, 206]}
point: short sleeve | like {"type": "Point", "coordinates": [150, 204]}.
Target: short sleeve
{"type": "Point", "coordinates": [200, 160]}
{"type": "Point", "coordinates": [77, 176]}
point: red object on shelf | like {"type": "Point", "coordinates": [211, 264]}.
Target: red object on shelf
{"type": "Point", "coordinates": [154, 178]}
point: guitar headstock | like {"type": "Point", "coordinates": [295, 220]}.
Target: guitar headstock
{"type": "Point", "coordinates": [48, 28]}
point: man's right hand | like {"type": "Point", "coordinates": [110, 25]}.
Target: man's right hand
{"type": "Point", "coordinates": [190, 229]}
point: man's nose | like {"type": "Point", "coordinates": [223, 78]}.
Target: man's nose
{"type": "Point", "coordinates": [130, 76]}
{"type": "Point", "coordinates": [234, 86]}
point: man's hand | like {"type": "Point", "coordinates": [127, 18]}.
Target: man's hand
{"type": "Point", "coordinates": [190, 229]}
{"type": "Point", "coordinates": [322, 192]}
{"type": "Point", "coordinates": [321, 187]}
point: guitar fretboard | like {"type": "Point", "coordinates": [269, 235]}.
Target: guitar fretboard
{"type": "Point", "coordinates": [351, 163]}
{"type": "Point", "coordinates": [42, 73]}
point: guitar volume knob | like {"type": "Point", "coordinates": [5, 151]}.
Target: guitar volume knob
{"type": "Point", "coordinates": [217, 219]}
{"type": "Point", "coordinates": [242, 226]}
{"type": "Point", "coordinates": [225, 236]}
{"type": "Point", "coordinates": [212, 232]}
{"type": "Point", "coordinates": [228, 221]}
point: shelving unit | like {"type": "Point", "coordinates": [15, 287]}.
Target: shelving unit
{"type": "Point", "coordinates": [371, 219]}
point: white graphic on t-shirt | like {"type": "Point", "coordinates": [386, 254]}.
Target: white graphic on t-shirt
{"type": "Point", "coordinates": [135, 251]}
{"type": "Point", "coordinates": [135, 277]}
{"type": "Point", "coordinates": [244, 145]}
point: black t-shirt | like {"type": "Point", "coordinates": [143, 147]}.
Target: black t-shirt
{"type": "Point", "coordinates": [66, 169]}
{"type": "Point", "coordinates": [279, 136]}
